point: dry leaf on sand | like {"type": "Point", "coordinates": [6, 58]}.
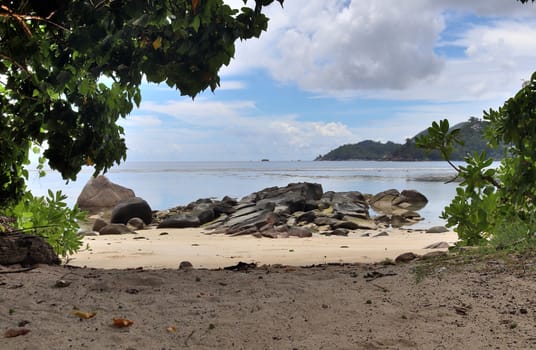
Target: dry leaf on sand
{"type": "Point", "coordinates": [84, 315]}
{"type": "Point", "coordinates": [15, 332]}
{"type": "Point", "coordinates": [122, 322]}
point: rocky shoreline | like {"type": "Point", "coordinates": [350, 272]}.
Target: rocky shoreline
{"type": "Point", "coordinates": [298, 210]}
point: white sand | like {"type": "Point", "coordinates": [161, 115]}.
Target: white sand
{"type": "Point", "coordinates": [149, 249]}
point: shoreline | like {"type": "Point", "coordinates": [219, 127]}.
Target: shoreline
{"type": "Point", "coordinates": [166, 248]}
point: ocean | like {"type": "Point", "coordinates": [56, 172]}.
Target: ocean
{"type": "Point", "coordinates": [168, 184]}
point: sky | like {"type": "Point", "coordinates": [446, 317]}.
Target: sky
{"type": "Point", "coordinates": [328, 73]}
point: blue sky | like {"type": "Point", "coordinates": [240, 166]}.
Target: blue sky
{"type": "Point", "coordinates": [334, 72]}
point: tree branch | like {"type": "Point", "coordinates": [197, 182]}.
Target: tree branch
{"type": "Point", "coordinates": [21, 18]}
{"type": "Point", "coordinates": [15, 63]}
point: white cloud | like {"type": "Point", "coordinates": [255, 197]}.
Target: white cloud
{"type": "Point", "coordinates": [231, 85]}
{"type": "Point", "coordinates": [141, 121]}
{"type": "Point", "coordinates": [386, 49]}
{"type": "Point", "coordinates": [324, 45]}
{"type": "Point", "coordinates": [348, 49]}
{"type": "Point", "coordinates": [207, 130]}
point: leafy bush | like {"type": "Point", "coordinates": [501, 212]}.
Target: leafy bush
{"type": "Point", "coordinates": [51, 218]}
{"type": "Point", "coordinates": [513, 232]}
{"type": "Point", "coordinates": [494, 204]}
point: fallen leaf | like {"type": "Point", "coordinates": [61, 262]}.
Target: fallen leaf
{"type": "Point", "coordinates": [85, 315]}
{"type": "Point", "coordinates": [15, 332]}
{"type": "Point", "coordinates": [122, 322]}
{"type": "Point", "coordinates": [157, 43]}
{"type": "Point", "coordinates": [171, 329]}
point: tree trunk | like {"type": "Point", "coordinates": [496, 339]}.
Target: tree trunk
{"type": "Point", "coordinates": [21, 248]}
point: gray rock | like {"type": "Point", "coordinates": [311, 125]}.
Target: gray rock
{"type": "Point", "coordinates": [260, 219]}
{"type": "Point", "coordinates": [384, 200]}
{"type": "Point", "coordinates": [235, 220]}
{"type": "Point", "coordinates": [88, 233]}
{"type": "Point", "coordinates": [399, 221]}
{"type": "Point", "coordinates": [391, 201]}
{"type": "Point", "coordinates": [180, 221]}
{"type": "Point", "coordinates": [350, 225]}
{"type": "Point", "coordinates": [98, 224]}
{"type": "Point", "coordinates": [311, 205]}
{"type": "Point", "coordinates": [223, 208]}
{"type": "Point", "coordinates": [135, 207]}
{"type": "Point", "coordinates": [324, 220]}
{"type": "Point", "coordinates": [351, 209]}
{"type": "Point", "coordinates": [361, 223]}
{"type": "Point", "coordinates": [438, 245]}
{"type": "Point", "coordinates": [271, 233]}
{"type": "Point", "coordinates": [411, 215]}
{"type": "Point", "coordinates": [266, 205]}
{"type": "Point", "coordinates": [381, 234]}
{"type": "Point", "coordinates": [205, 214]}
{"type": "Point", "coordinates": [217, 223]}
{"type": "Point", "coordinates": [244, 212]}
{"type": "Point", "coordinates": [411, 200]}
{"type": "Point", "coordinates": [292, 221]}
{"type": "Point", "coordinates": [308, 216]}
{"type": "Point", "coordinates": [241, 231]}
{"type": "Point", "coordinates": [383, 219]}
{"type": "Point", "coordinates": [437, 229]}
{"type": "Point", "coordinates": [114, 229]}
{"type": "Point", "coordinates": [135, 224]}
{"type": "Point", "coordinates": [300, 232]}
{"type": "Point", "coordinates": [340, 232]}
{"type": "Point", "coordinates": [405, 257]}
{"type": "Point", "coordinates": [291, 198]}
{"type": "Point", "coordinates": [344, 197]}
{"type": "Point", "coordinates": [99, 192]}
{"type": "Point", "coordinates": [185, 265]}
{"type": "Point", "coordinates": [26, 249]}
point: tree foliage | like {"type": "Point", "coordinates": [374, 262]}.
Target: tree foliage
{"type": "Point", "coordinates": [364, 150]}
{"type": "Point", "coordinates": [70, 69]}
{"type": "Point", "coordinates": [50, 218]}
{"type": "Point", "coordinates": [489, 199]}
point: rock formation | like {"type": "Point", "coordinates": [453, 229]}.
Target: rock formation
{"type": "Point", "coordinates": [101, 193]}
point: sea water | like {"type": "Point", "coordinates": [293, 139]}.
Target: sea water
{"type": "Point", "coordinates": [169, 184]}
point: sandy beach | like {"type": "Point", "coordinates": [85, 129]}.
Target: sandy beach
{"type": "Point", "coordinates": [459, 303]}
{"type": "Point", "coordinates": [166, 248]}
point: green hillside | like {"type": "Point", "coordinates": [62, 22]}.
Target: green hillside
{"type": "Point", "coordinates": [471, 132]}
{"type": "Point", "coordinates": [364, 150]}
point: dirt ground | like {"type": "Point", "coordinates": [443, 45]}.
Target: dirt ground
{"type": "Point", "coordinates": [445, 304]}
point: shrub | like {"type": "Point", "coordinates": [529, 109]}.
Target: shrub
{"type": "Point", "coordinates": [50, 218]}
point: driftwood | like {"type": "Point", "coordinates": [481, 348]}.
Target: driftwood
{"type": "Point", "coordinates": [25, 249]}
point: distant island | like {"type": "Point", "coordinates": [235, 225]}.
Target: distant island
{"type": "Point", "coordinates": [471, 132]}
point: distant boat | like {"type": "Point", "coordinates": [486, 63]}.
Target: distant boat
{"type": "Point", "coordinates": [265, 160]}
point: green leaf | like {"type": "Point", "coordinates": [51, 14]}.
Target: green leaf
{"type": "Point", "coordinates": [196, 23]}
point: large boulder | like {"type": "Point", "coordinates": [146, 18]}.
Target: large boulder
{"type": "Point", "coordinates": [21, 248]}
{"type": "Point", "coordinates": [411, 200]}
{"type": "Point", "coordinates": [394, 202]}
{"type": "Point", "coordinates": [286, 200]}
{"type": "Point", "coordinates": [383, 201]}
{"type": "Point", "coordinates": [99, 192]}
{"type": "Point", "coordinates": [252, 221]}
{"type": "Point", "coordinates": [115, 229]}
{"type": "Point", "coordinates": [135, 207]}
{"type": "Point", "coordinates": [205, 212]}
